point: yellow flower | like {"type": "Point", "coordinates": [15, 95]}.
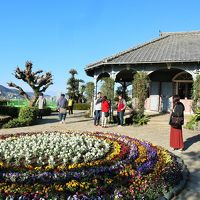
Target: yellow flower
{"type": "Point", "coordinates": [108, 180]}
{"type": "Point", "coordinates": [1, 164]}
{"type": "Point", "coordinates": [61, 167]}
{"type": "Point", "coordinates": [48, 167]}
{"type": "Point", "coordinates": [38, 168]}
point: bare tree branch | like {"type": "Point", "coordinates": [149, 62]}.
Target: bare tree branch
{"type": "Point", "coordinates": [39, 83]}
{"type": "Point", "coordinates": [21, 91]}
{"type": "Point", "coordinates": [37, 72]}
{"type": "Point", "coordinates": [46, 86]}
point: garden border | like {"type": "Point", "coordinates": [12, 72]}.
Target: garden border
{"type": "Point", "coordinates": [177, 190]}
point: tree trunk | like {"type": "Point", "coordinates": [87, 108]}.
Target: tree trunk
{"type": "Point", "coordinates": [34, 100]}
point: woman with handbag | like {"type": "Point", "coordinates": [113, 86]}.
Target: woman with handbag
{"type": "Point", "coordinates": [176, 122]}
{"type": "Point", "coordinates": [62, 108]}
{"type": "Point", "coordinates": [105, 106]}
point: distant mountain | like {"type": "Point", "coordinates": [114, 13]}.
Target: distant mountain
{"type": "Point", "coordinates": [7, 93]}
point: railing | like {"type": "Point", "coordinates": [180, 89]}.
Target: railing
{"type": "Point", "coordinates": [24, 103]}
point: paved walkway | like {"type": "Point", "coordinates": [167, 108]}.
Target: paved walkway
{"type": "Point", "coordinates": [157, 132]}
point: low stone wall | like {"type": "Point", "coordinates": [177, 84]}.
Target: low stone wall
{"type": "Point", "coordinates": [4, 119]}
{"type": "Point", "coordinates": [176, 190]}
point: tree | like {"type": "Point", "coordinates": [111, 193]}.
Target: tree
{"type": "Point", "coordinates": [120, 91]}
{"type": "Point", "coordinates": [196, 94]}
{"type": "Point", "coordinates": [38, 83]}
{"type": "Point", "coordinates": [89, 91]}
{"type": "Point", "coordinates": [140, 89]}
{"type": "Point", "coordinates": [73, 85]}
{"type": "Point", "coordinates": [107, 88]}
{"type": "Point", "coordinates": [81, 94]}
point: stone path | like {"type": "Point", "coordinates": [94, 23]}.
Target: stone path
{"type": "Point", "coordinates": [157, 132]}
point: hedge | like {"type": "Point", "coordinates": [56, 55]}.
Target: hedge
{"type": "Point", "coordinates": [81, 106]}
{"type": "Point", "coordinates": [8, 110]}
{"type": "Point", "coordinates": [3, 102]}
{"type": "Point", "coordinates": [27, 116]}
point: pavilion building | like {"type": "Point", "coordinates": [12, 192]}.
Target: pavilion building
{"type": "Point", "coordinates": [171, 61]}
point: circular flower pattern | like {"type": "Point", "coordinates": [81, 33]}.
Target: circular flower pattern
{"type": "Point", "coordinates": [52, 149]}
{"type": "Point", "coordinates": [85, 166]}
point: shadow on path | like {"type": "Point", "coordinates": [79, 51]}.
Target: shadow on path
{"type": "Point", "coordinates": [157, 114]}
{"type": "Point", "coordinates": [46, 121]}
{"type": "Point", "coordinates": [82, 120]}
{"type": "Point", "coordinates": [190, 141]}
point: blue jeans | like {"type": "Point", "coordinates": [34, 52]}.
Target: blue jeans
{"type": "Point", "coordinates": [62, 116]}
{"type": "Point", "coordinates": [120, 118]}
{"type": "Point", "coordinates": [97, 116]}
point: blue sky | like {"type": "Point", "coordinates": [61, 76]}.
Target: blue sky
{"type": "Point", "coordinates": [57, 35]}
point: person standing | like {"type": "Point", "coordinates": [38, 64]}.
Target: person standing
{"type": "Point", "coordinates": [70, 105]}
{"type": "Point", "coordinates": [41, 103]}
{"type": "Point", "coordinates": [176, 122]}
{"type": "Point", "coordinates": [97, 109]}
{"type": "Point", "coordinates": [121, 106]}
{"type": "Point", "coordinates": [105, 111]}
{"type": "Point", "coordinates": [62, 108]}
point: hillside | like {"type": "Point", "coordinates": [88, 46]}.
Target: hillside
{"type": "Point", "coordinates": [7, 93]}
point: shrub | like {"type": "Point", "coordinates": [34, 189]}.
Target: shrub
{"type": "Point", "coordinates": [193, 122]}
{"type": "Point", "coordinates": [196, 94]}
{"type": "Point", "coordinates": [17, 123]}
{"type": "Point", "coordinates": [27, 117]}
{"type": "Point", "coordinates": [28, 113]}
{"type": "Point", "coordinates": [140, 119]}
{"type": "Point", "coordinates": [81, 106]}
{"type": "Point", "coordinates": [140, 89]}
{"type": "Point", "coordinates": [8, 110]}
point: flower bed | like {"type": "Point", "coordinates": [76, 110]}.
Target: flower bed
{"type": "Point", "coordinates": [86, 165]}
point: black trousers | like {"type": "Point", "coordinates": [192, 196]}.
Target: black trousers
{"type": "Point", "coordinates": [70, 109]}
{"type": "Point", "coordinates": [40, 113]}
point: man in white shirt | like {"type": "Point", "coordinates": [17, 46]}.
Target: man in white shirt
{"type": "Point", "coordinates": [97, 109]}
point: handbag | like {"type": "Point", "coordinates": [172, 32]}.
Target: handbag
{"type": "Point", "coordinates": [176, 121]}
{"type": "Point", "coordinates": [62, 110]}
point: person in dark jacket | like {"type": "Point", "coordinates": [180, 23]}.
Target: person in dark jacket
{"type": "Point", "coordinates": [176, 122]}
{"type": "Point", "coordinates": [62, 108]}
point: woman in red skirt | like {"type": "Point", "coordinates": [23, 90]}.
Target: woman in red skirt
{"type": "Point", "coordinates": [176, 134]}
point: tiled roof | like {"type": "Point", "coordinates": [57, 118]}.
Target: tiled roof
{"type": "Point", "coordinates": [169, 47]}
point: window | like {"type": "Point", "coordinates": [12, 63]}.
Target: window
{"type": "Point", "coordinates": [182, 85]}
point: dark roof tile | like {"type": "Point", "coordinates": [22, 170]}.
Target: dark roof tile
{"type": "Point", "coordinates": [169, 47]}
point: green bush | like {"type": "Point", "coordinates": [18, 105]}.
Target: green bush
{"type": "Point", "coordinates": [8, 110]}
{"type": "Point", "coordinates": [193, 122]}
{"type": "Point", "coordinates": [18, 123]}
{"type": "Point", "coordinates": [28, 113]}
{"type": "Point", "coordinates": [27, 116]}
{"type": "Point", "coordinates": [3, 102]}
{"type": "Point", "coordinates": [81, 106]}
{"type": "Point", "coordinates": [140, 119]}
